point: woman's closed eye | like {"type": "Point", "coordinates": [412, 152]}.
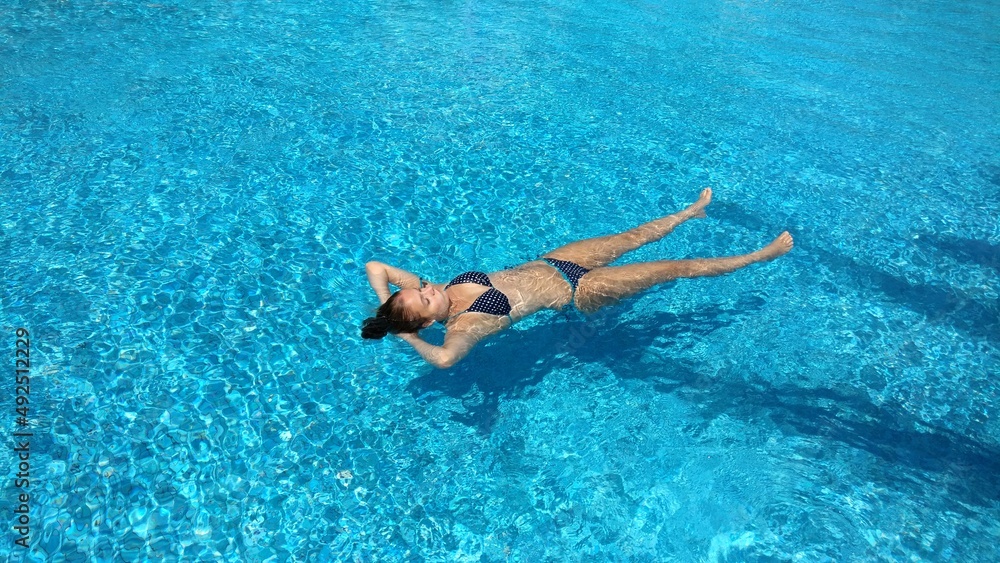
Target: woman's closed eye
{"type": "Point", "coordinates": [423, 285]}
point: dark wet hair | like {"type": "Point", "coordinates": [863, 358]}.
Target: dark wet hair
{"type": "Point", "coordinates": [390, 317]}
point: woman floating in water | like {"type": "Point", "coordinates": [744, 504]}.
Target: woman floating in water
{"type": "Point", "coordinates": [577, 273]}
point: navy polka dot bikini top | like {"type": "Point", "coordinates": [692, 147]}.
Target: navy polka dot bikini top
{"type": "Point", "coordinates": [493, 301]}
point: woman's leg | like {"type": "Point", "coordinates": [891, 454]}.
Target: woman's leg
{"type": "Point", "coordinates": [604, 286]}
{"type": "Point", "coordinates": [600, 251]}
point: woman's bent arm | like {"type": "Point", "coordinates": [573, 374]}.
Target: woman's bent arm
{"type": "Point", "coordinates": [456, 346]}
{"type": "Point", "coordinates": [437, 356]}
{"type": "Point", "coordinates": [381, 275]}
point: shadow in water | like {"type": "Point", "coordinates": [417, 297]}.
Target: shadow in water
{"type": "Point", "coordinates": [510, 364]}
{"type": "Point", "coordinates": [964, 249]}
{"type": "Point", "coordinates": [968, 468]}
{"type": "Point", "coordinates": [738, 215]}
{"type": "Point", "coordinates": [939, 303]}
{"type": "Point", "coordinates": [914, 451]}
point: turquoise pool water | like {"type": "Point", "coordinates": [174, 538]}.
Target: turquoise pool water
{"type": "Point", "coordinates": [191, 190]}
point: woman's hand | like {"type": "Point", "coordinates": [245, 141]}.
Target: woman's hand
{"type": "Point", "coordinates": [410, 337]}
{"type": "Point", "coordinates": [438, 356]}
{"type": "Point", "coordinates": [381, 275]}
{"type": "Point", "coordinates": [456, 345]}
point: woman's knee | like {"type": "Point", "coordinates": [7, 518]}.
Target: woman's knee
{"type": "Point", "coordinates": [587, 299]}
{"type": "Point", "coordinates": [587, 308]}
{"type": "Point", "coordinates": [584, 305]}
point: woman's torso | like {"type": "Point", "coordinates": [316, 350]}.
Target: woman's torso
{"type": "Point", "coordinates": [529, 288]}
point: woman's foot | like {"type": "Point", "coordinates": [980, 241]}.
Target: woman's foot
{"type": "Point", "coordinates": [697, 209]}
{"type": "Point", "coordinates": [778, 247]}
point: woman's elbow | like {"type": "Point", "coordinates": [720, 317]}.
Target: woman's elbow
{"type": "Point", "coordinates": [445, 361]}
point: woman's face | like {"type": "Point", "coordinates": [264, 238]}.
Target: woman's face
{"type": "Point", "coordinates": [428, 302]}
